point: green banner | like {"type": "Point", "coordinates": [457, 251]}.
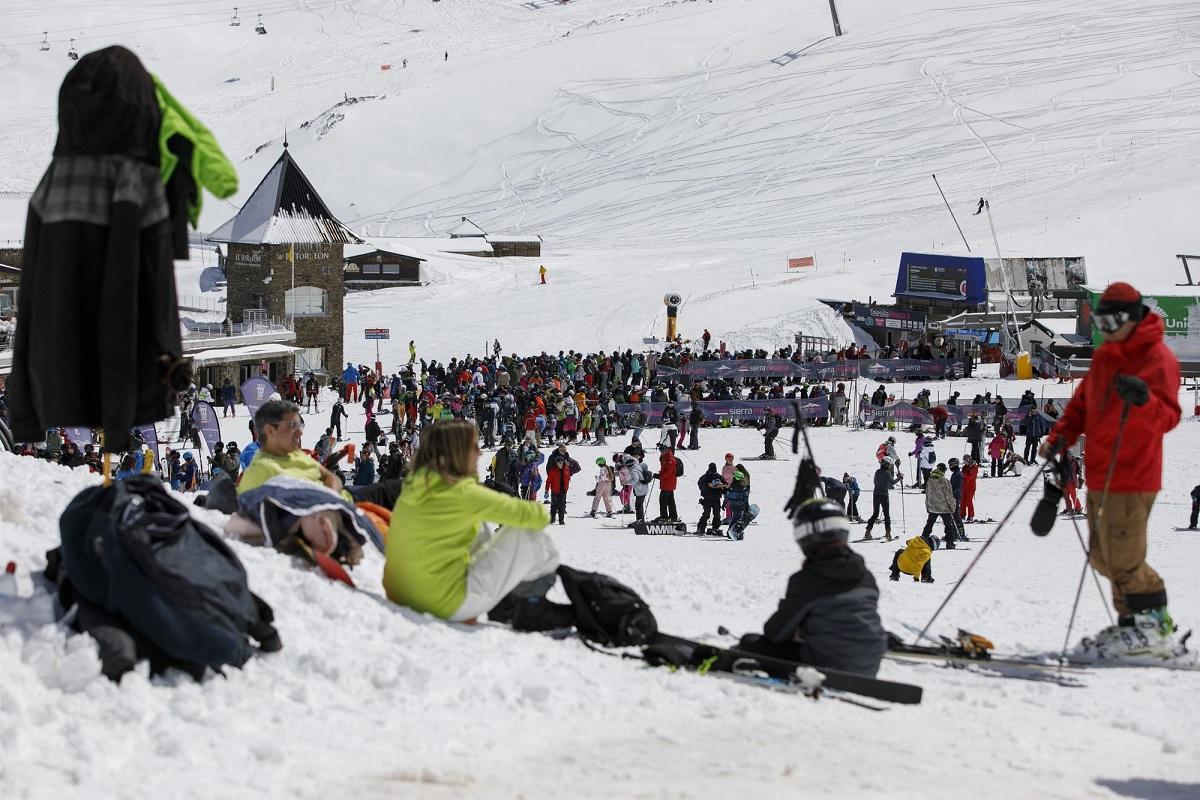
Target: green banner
{"type": "Point", "coordinates": [1181, 313]}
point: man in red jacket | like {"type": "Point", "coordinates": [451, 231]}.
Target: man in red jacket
{"type": "Point", "coordinates": [668, 479]}
{"type": "Point", "coordinates": [1133, 373]}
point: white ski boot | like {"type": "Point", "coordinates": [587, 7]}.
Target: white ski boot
{"type": "Point", "coordinates": [1150, 638]}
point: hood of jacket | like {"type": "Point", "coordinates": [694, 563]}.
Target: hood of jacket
{"type": "Point", "coordinates": [107, 106]}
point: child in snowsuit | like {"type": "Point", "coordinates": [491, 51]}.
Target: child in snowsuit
{"type": "Point", "coordinates": [996, 449]}
{"type": "Point", "coordinates": [558, 480]}
{"type": "Point", "coordinates": [915, 559]}
{"type": "Point", "coordinates": [712, 488]}
{"type": "Point", "coordinates": [737, 500]}
{"type": "Point", "coordinates": [829, 615]}
{"type": "Point", "coordinates": [605, 479]}
{"type": "Point", "coordinates": [966, 506]}
{"type": "Point", "coordinates": [531, 477]}
{"type": "Point", "coordinates": [1070, 490]}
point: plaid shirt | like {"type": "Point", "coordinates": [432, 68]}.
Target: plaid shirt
{"type": "Point", "coordinates": [84, 189]}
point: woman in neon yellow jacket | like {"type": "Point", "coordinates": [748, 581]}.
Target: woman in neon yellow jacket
{"type": "Point", "coordinates": [443, 559]}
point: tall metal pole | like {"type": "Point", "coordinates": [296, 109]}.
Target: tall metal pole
{"type": "Point", "coordinates": [948, 208]}
{"type": "Point", "coordinates": [837, 26]}
{"type": "Point", "coordinates": [1011, 332]}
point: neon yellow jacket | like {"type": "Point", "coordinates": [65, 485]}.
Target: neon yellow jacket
{"type": "Point", "coordinates": [915, 556]}
{"type": "Point", "coordinates": [297, 464]}
{"type": "Point", "coordinates": [433, 527]}
{"type": "Point", "coordinates": [210, 167]}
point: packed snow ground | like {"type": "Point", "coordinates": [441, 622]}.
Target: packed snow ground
{"type": "Point", "coordinates": [368, 699]}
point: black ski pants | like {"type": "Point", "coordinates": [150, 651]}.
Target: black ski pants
{"type": "Point", "coordinates": [852, 507]}
{"type": "Point", "coordinates": [1195, 513]}
{"type": "Point", "coordinates": [952, 529]}
{"type": "Point", "coordinates": [713, 507]}
{"type": "Point", "coordinates": [666, 504]}
{"type": "Point", "coordinates": [880, 502]}
{"type": "Point", "coordinates": [639, 507]}
{"type": "Point", "coordinates": [769, 443]}
{"type": "Point", "coordinates": [558, 506]}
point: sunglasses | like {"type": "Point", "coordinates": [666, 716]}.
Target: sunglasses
{"type": "Point", "coordinates": [1110, 323]}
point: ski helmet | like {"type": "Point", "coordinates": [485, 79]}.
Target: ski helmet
{"type": "Point", "coordinates": [818, 522]}
{"type": "Point", "coordinates": [600, 462]}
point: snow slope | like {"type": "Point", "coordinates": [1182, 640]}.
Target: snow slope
{"type": "Point", "coordinates": [660, 146]}
{"type": "Point", "coordinates": [371, 700]}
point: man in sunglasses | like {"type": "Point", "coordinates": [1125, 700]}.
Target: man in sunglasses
{"type": "Point", "coordinates": [1124, 406]}
{"type": "Point", "coordinates": [280, 430]}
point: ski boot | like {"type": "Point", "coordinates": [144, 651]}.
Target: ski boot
{"type": "Point", "coordinates": [1144, 635]}
{"type": "Point", "coordinates": [592, 514]}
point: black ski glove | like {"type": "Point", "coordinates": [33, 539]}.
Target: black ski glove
{"type": "Point", "coordinates": [1133, 390]}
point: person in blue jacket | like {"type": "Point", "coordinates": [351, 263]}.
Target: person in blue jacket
{"type": "Point", "coordinates": [350, 376]}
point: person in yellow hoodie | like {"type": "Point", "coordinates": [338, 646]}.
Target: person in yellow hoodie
{"type": "Point", "coordinates": [915, 559]}
{"type": "Point", "coordinates": [444, 559]}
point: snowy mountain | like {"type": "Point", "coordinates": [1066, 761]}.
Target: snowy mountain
{"type": "Point", "coordinates": [660, 146]}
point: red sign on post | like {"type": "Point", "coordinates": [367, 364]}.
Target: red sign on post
{"type": "Point", "coordinates": [800, 263]}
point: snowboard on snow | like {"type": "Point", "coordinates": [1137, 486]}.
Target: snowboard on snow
{"type": "Point", "coordinates": [652, 528]}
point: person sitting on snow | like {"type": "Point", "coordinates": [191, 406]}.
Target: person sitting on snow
{"type": "Point", "coordinates": [829, 615]}
{"type": "Point", "coordinates": [442, 557]}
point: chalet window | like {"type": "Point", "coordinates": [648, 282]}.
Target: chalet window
{"type": "Point", "coordinates": [391, 269]}
{"type": "Point", "coordinates": [305, 301]}
{"type": "Point", "coordinates": [310, 359]}
{"type": "Point", "coordinates": [370, 269]}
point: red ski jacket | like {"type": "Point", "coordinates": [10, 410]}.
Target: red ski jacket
{"type": "Point", "coordinates": [668, 476]}
{"type": "Point", "coordinates": [558, 478]}
{"type": "Point", "coordinates": [1095, 410]}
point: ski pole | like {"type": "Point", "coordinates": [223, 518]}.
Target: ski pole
{"type": "Point", "coordinates": [1074, 609]}
{"type": "Point", "coordinates": [1087, 556]}
{"type": "Point", "coordinates": [1058, 446]}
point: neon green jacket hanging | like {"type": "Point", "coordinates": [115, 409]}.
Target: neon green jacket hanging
{"type": "Point", "coordinates": [211, 169]}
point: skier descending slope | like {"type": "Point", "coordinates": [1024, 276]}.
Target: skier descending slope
{"type": "Point", "coordinates": [1124, 406]}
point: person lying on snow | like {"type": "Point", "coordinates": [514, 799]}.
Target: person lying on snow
{"type": "Point", "coordinates": [444, 559]}
{"type": "Point", "coordinates": [829, 616]}
{"type": "Point", "coordinates": [287, 510]}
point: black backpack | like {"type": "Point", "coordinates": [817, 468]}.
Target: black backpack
{"type": "Point", "coordinates": [138, 564]}
{"type": "Point", "coordinates": [607, 612]}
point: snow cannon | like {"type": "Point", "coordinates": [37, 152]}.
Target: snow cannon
{"type": "Point", "coordinates": [672, 301]}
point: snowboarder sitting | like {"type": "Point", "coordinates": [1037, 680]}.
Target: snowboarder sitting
{"type": "Point", "coordinates": [828, 616]}
{"type": "Point", "coordinates": [915, 559]}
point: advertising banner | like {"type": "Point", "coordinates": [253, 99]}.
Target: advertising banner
{"type": "Point", "coordinates": [204, 417]}
{"type": "Point", "coordinates": [733, 409]}
{"type": "Point", "coordinates": [150, 437]}
{"type": "Point", "coordinates": [1181, 315]}
{"type": "Point", "coordinates": [891, 369]}
{"type": "Point", "coordinates": [255, 392]}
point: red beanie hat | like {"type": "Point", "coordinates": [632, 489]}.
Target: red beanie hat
{"type": "Point", "coordinates": [1120, 294]}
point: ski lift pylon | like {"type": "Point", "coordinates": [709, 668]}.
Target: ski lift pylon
{"type": "Point", "coordinates": [45, 41]}
{"type": "Point", "coordinates": [260, 29]}
{"type": "Point", "coordinates": [71, 54]}
{"type": "Point", "coordinates": [234, 21]}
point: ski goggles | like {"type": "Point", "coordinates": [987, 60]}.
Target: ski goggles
{"type": "Point", "coordinates": [1112, 321]}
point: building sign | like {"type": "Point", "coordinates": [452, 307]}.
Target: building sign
{"type": "Point", "coordinates": [949, 278]}
{"type": "Point", "coordinates": [377, 333]}
{"type": "Point", "coordinates": [887, 318]}
{"type": "Point", "coordinates": [801, 263]}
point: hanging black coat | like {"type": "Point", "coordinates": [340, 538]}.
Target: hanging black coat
{"type": "Point", "coordinates": [97, 341]}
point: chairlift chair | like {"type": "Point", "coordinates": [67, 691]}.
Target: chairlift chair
{"type": "Point", "coordinates": [71, 54]}
{"type": "Point", "coordinates": [260, 29]}
{"type": "Point", "coordinates": [234, 21]}
{"type": "Point", "coordinates": [45, 41]}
